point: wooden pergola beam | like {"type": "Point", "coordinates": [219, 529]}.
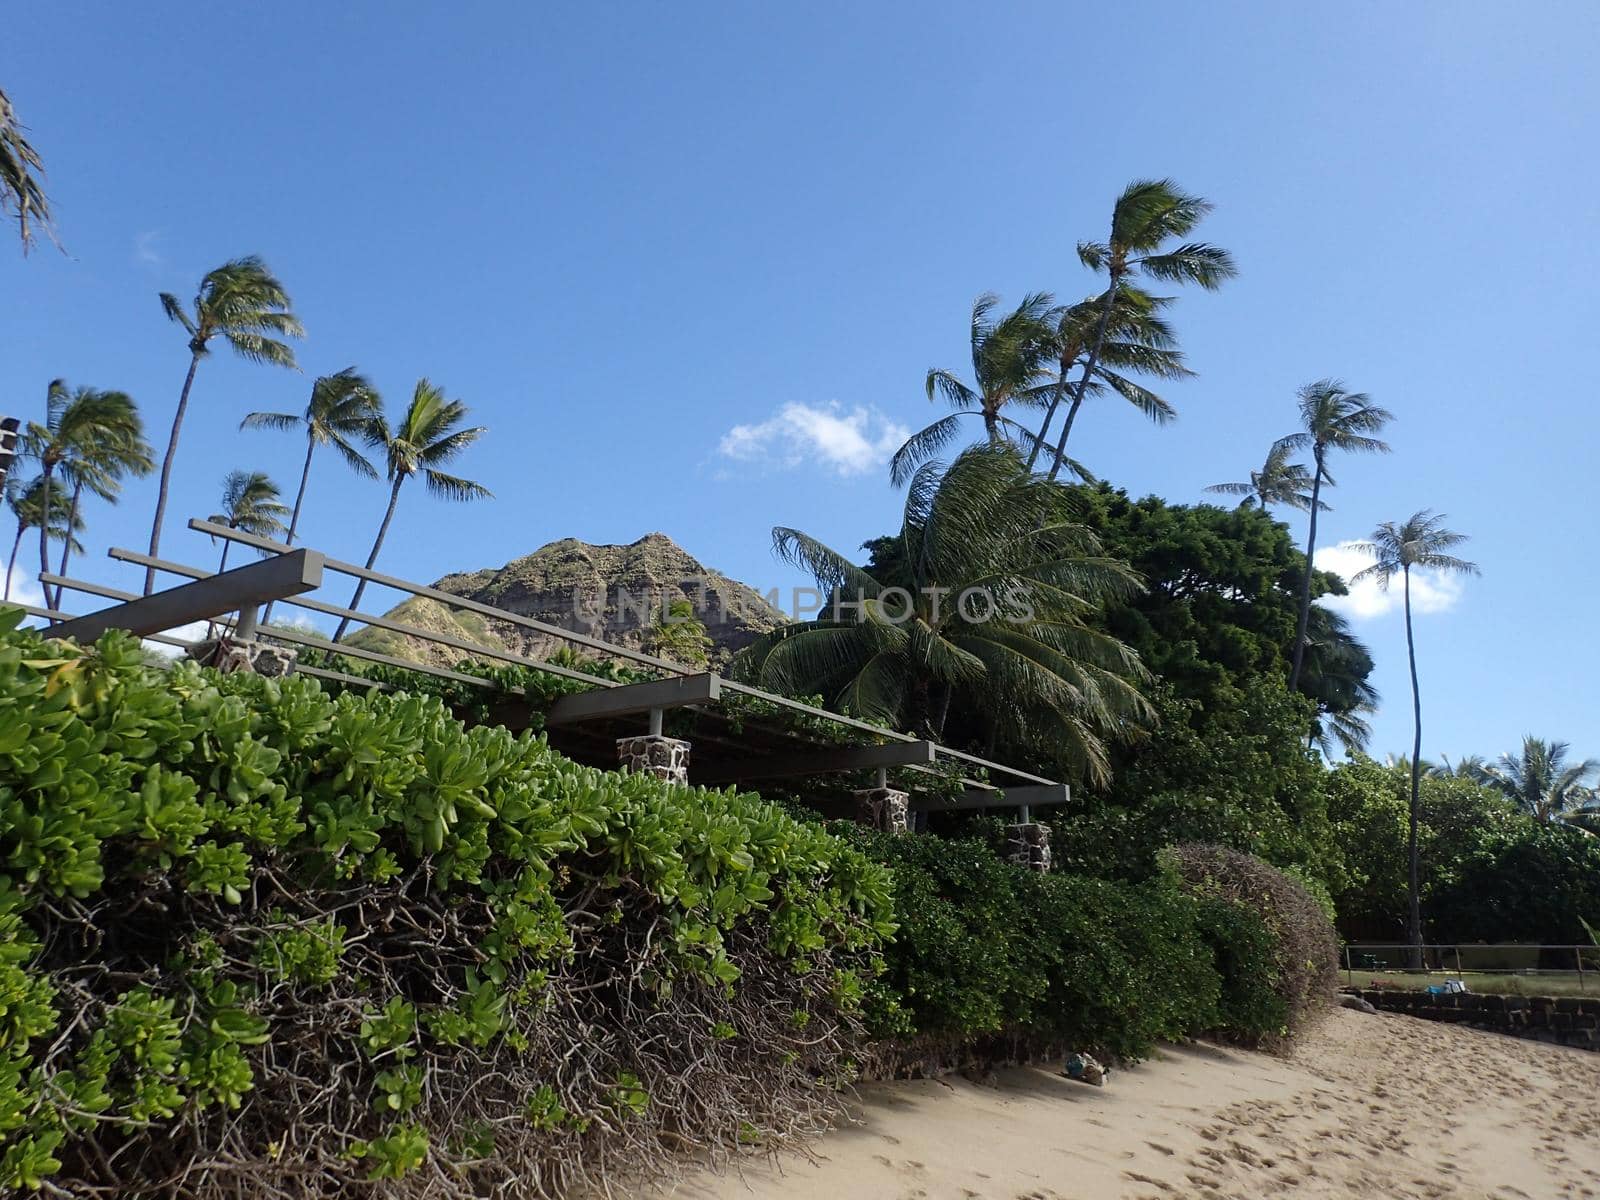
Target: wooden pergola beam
{"type": "Point", "coordinates": [1029, 796]}
{"type": "Point", "coordinates": [241, 588]}
{"type": "Point", "coordinates": [631, 698]}
{"type": "Point", "coordinates": [824, 760]}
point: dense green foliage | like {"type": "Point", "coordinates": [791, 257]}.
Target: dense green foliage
{"type": "Point", "coordinates": [990, 954]}
{"type": "Point", "coordinates": [242, 914]}
{"type": "Point", "coordinates": [1218, 605]}
{"type": "Point", "coordinates": [221, 893]}
{"type": "Point", "coordinates": [989, 608]}
{"type": "Point", "coordinates": [986, 949]}
{"type": "Point", "coordinates": [1302, 969]}
{"type": "Point", "coordinates": [1490, 870]}
{"type": "Point", "coordinates": [1238, 774]}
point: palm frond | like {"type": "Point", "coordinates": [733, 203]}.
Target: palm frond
{"type": "Point", "coordinates": [277, 422]}
{"type": "Point", "coordinates": [922, 446]}
{"type": "Point", "coordinates": [832, 571]}
{"type": "Point", "coordinates": [256, 348]}
{"type": "Point", "coordinates": [21, 179]}
{"type": "Point", "coordinates": [1206, 266]}
{"type": "Point", "coordinates": [353, 458]}
{"type": "Point", "coordinates": [877, 692]}
{"type": "Point", "coordinates": [452, 487]}
{"type": "Point", "coordinates": [956, 394]}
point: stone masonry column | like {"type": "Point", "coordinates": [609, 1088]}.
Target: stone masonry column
{"type": "Point", "coordinates": [233, 654]}
{"type": "Point", "coordinates": [1028, 845]}
{"type": "Point", "coordinates": [652, 754]}
{"type": "Point", "coordinates": [884, 808]}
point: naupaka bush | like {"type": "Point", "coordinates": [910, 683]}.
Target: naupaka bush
{"type": "Point", "coordinates": [256, 936]}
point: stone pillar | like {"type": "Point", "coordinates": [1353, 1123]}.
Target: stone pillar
{"type": "Point", "coordinates": [653, 754]}
{"type": "Point", "coordinates": [235, 654]}
{"type": "Point", "coordinates": [1028, 845]}
{"type": "Point", "coordinates": [884, 808]}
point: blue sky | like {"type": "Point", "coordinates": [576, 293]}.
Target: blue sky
{"type": "Point", "coordinates": [690, 263]}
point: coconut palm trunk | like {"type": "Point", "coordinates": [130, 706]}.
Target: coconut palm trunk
{"type": "Point", "coordinates": [1050, 412]}
{"type": "Point", "coordinates": [166, 468]}
{"type": "Point", "coordinates": [1305, 583]}
{"type": "Point", "coordinates": [1066, 432]}
{"type": "Point", "coordinates": [1089, 365]}
{"type": "Point", "coordinates": [377, 545]}
{"type": "Point", "coordinates": [1421, 541]}
{"type": "Point", "coordinates": [300, 495]}
{"type": "Point", "coordinates": [294, 513]}
{"type": "Point", "coordinates": [1414, 886]}
{"type": "Point", "coordinates": [11, 564]}
{"type": "Point", "coordinates": [66, 546]}
{"type": "Point", "coordinates": [44, 524]}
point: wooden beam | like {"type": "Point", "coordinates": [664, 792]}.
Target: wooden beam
{"type": "Point", "coordinates": [824, 760]}
{"type": "Point", "coordinates": [448, 598]}
{"type": "Point", "coordinates": [243, 587]}
{"type": "Point", "coordinates": [632, 698]}
{"type": "Point", "coordinates": [1031, 796]}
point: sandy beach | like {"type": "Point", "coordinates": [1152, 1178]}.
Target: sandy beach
{"type": "Point", "coordinates": [1363, 1106]}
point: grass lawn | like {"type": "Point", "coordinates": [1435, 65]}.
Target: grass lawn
{"type": "Point", "coordinates": [1547, 983]}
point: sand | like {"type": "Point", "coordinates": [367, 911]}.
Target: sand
{"type": "Point", "coordinates": [1364, 1106]}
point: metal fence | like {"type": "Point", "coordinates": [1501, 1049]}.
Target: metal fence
{"type": "Point", "coordinates": [1578, 965]}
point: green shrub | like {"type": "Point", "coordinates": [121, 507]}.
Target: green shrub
{"type": "Point", "coordinates": [1241, 892]}
{"type": "Point", "coordinates": [1249, 1006]}
{"type": "Point", "coordinates": [987, 952]}
{"type": "Point", "coordinates": [254, 938]}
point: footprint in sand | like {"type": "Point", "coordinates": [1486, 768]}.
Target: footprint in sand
{"type": "Point", "coordinates": [1155, 1183]}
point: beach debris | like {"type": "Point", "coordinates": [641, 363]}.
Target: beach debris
{"type": "Point", "coordinates": [1086, 1069]}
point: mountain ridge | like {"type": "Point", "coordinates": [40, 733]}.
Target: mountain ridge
{"type": "Point", "coordinates": [612, 591]}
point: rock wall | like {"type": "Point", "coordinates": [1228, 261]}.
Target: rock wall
{"type": "Point", "coordinates": [1568, 1020]}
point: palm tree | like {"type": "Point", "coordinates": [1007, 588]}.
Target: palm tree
{"type": "Point", "coordinates": [96, 438]}
{"type": "Point", "coordinates": [249, 502]}
{"type": "Point", "coordinates": [1137, 339]}
{"type": "Point", "coordinates": [1335, 679]}
{"type": "Point", "coordinates": [343, 409]}
{"type": "Point", "coordinates": [243, 303]}
{"type": "Point", "coordinates": [679, 634]}
{"type": "Point", "coordinates": [1278, 482]}
{"type": "Point", "coordinates": [1469, 766]}
{"type": "Point", "coordinates": [1333, 419]}
{"type": "Point", "coordinates": [28, 504]}
{"type": "Point", "coordinates": [1422, 542]}
{"type": "Point", "coordinates": [992, 601]}
{"type": "Point", "coordinates": [1009, 358]}
{"type": "Point", "coordinates": [1148, 214]}
{"type": "Point", "coordinates": [21, 191]}
{"type": "Point", "coordinates": [427, 437]}
{"type": "Point", "coordinates": [91, 438]}
{"type": "Point", "coordinates": [1542, 782]}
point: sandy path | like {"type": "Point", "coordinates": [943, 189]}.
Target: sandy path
{"type": "Point", "coordinates": [1365, 1106]}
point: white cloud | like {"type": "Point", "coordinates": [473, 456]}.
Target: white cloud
{"type": "Point", "coordinates": [144, 248]}
{"type": "Point", "coordinates": [1430, 592]}
{"type": "Point", "coordinates": [852, 442]}
{"type": "Point", "coordinates": [24, 588]}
